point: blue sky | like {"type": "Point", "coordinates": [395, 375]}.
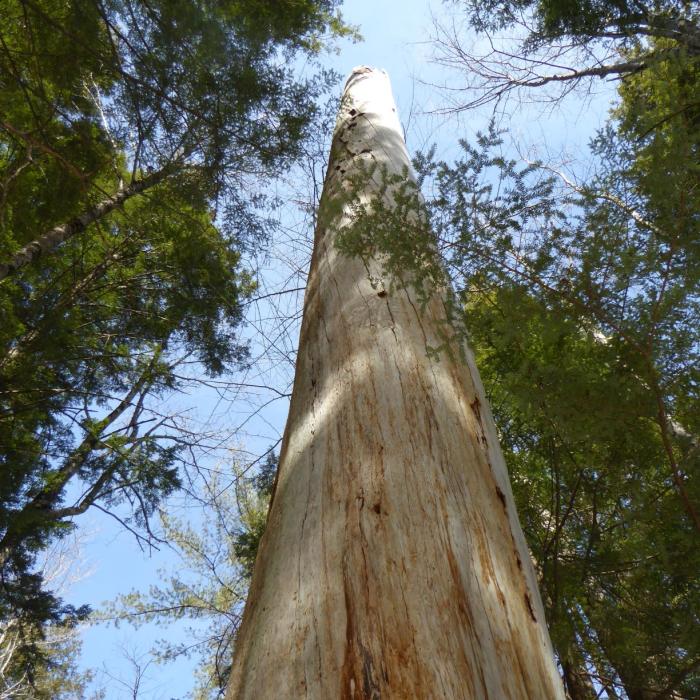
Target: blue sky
{"type": "Point", "coordinates": [397, 38]}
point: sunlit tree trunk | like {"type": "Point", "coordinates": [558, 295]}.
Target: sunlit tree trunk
{"type": "Point", "coordinates": [393, 564]}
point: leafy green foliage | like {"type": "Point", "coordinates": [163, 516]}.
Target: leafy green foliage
{"type": "Point", "coordinates": [583, 319]}
{"type": "Point", "coordinates": [581, 19]}
{"type": "Point", "coordinates": [39, 658]}
{"type": "Point", "coordinates": [154, 286]}
{"type": "Point", "coordinates": [210, 587]}
{"type": "Point", "coordinates": [254, 515]}
{"type": "Point", "coordinates": [55, 675]}
{"type": "Point", "coordinates": [200, 101]}
{"type": "Point", "coordinates": [615, 551]}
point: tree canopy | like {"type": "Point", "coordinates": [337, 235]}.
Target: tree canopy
{"type": "Point", "coordinates": [135, 138]}
{"type": "Point", "coordinates": [560, 45]}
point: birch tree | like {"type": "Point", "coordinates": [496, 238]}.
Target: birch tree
{"type": "Point", "coordinates": [393, 563]}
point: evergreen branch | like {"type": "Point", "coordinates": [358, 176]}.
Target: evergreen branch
{"type": "Point", "coordinates": [46, 499]}
{"type": "Point", "coordinates": [49, 241]}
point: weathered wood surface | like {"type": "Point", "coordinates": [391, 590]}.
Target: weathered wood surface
{"type": "Point", "coordinates": [393, 565]}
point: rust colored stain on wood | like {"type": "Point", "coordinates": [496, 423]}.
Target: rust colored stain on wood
{"type": "Point", "coordinates": [349, 683]}
{"type": "Point", "coordinates": [475, 405]}
{"type": "Point", "coordinates": [528, 603]}
{"type": "Point", "coordinates": [501, 496]}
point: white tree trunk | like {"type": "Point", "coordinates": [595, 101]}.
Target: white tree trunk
{"type": "Point", "coordinates": [393, 564]}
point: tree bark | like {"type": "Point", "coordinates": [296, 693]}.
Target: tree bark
{"type": "Point", "coordinates": [393, 564]}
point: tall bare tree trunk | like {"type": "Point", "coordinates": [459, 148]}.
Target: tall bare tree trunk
{"type": "Point", "coordinates": [393, 564]}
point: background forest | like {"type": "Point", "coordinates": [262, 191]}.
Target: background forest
{"type": "Point", "coordinates": [156, 156]}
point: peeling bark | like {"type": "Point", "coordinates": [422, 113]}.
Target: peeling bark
{"type": "Point", "coordinates": [393, 564]}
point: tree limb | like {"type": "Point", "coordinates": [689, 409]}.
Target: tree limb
{"type": "Point", "coordinates": [49, 241]}
{"type": "Point", "coordinates": [46, 499]}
